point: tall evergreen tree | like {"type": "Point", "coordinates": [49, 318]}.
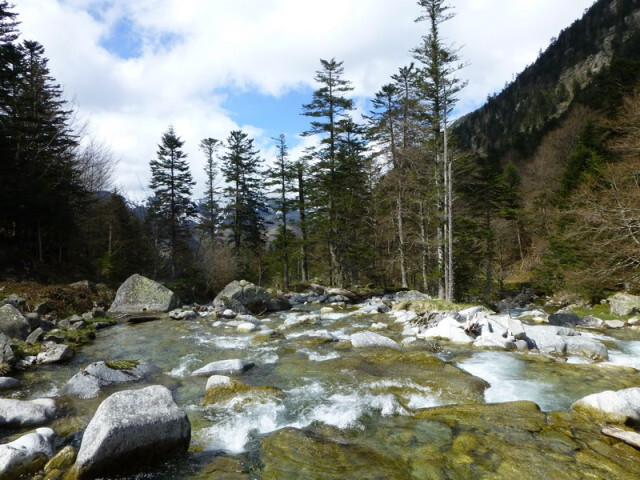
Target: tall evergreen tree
{"type": "Point", "coordinates": [246, 202]}
{"type": "Point", "coordinates": [328, 107]}
{"type": "Point", "coordinates": [210, 215]}
{"type": "Point", "coordinates": [281, 178]}
{"type": "Point", "coordinates": [172, 206]}
{"type": "Point", "coordinates": [439, 87]}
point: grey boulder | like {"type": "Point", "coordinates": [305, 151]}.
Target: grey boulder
{"type": "Point", "coordinates": [90, 381]}
{"type": "Point", "coordinates": [12, 322]}
{"type": "Point", "coordinates": [6, 352]}
{"type": "Point", "coordinates": [7, 383]}
{"type": "Point", "coordinates": [27, 413]}
{"type": "Point", "coordinates": [27, 454]}
{"type": "Point", "coordinates": [139, 294]}
{"type": "Point", "coordinates": [242, 297]}
{"type": "Point", "coordinates": [130, 429]}
{"type": "Point", "coordinates": [624, 304]}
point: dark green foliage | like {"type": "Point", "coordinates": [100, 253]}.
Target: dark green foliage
{"type": "Point", "coordinates": [585, 161]}
{"type": "Point", "coordinates": [246, 202]}
{"type": "Point", "coordinates": [172, 207]}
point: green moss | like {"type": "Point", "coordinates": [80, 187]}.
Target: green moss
{"type": "Point", "coordinates": [5, 369]}
{"type": "Point", "coordinates": [22, 349]}
{"type": "Point", "coordinates": [224, 392]}
{"type": "Point", "coordinates": [601, 312]}
{"type": "Point", "coordinates": [122, 364]}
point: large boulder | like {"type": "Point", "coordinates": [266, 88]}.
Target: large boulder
{"type": "Point", "coordinates": [617, 406]}
{"type": "Point", "coordinates": [12, 322]}
{"type": "Point", "coordinates": [372, 339]}
{"type": "Point", "coordinates": [6, 352]}
{"type": "Point", "coordinates": [412, 296]}
{"type": "Point", "coordinates": [130, 429]}
{"type": "Point", "coordinates": [140, 294]}
{"type": "Point", "coordinates": [450, 329]}
{"type": "Point", "coordinates": [91, 380]}
{"type": "Point", "coordinates": [27, 413]}
{"type": "Point", "coordinates": [27, 454]}
{"type": "Point", "coordinates": [242, 297]}
{"type": "Point", "coordinates": [624, 304]}
{"type": "Point", "coordinates": [564, 341]}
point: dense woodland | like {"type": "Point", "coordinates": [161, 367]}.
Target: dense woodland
{"type": "Point", "coordinates": [540, 187]}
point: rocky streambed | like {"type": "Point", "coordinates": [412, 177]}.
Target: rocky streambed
{"type": "Point", "coordinates": [380, 389]}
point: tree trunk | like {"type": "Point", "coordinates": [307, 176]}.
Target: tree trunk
{"type": "Point", "coordinates": [402, 254]}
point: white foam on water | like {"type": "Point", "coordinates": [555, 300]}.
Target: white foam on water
{"type": "Point", "coordinates": [323, 333]}
{"type": "Point", "coordinates": [184, 366]}
{"type": "Point", "coordinates": [231, 429]}
{"type": "Point", "coordinates": [317, 357]}
{"type": "Point", "coordinates": [423, 398]}
{"type": "Point", "coordinates": [506, 374]}
{"type": "Point", "coordinates": [627, 354]}
{"type": "Point", "coordinates": [417, 401]}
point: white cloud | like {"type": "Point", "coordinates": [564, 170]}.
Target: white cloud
{"type": "Point", "coordinates": [267, 46]}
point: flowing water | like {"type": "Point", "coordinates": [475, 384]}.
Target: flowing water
{"type": "Point", "coordinates": [421, 412]}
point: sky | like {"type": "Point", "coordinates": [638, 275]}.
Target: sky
{"type": "Point", "coordinates": [132, 68]}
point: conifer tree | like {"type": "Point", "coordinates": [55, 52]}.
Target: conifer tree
{"type": "Point", "coordinates": [246, 202]}
{"type": "Point", "coordinates": [281, 178]}
{"type": "Point", "coordinates": [172, 206]}
{"type": "Point", "coordinates": [210, 216]}
{"type": "Point", "coordinates": [439, 87]}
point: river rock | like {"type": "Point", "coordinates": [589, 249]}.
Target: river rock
{"type": "Point", "coordinates": [97, 376]}
{"type": "Point", "coordinates": [563, 341]}
{"type": "Point", "coordinates": [224, 367]}
{"type": "Point", "coordinates": [12, 322]}
{"type": "Point", "coordinates": [61, 461]}
{"type": "Point", "coordinates": [26, 413]}
{"type": "Point", "coordinates": [35, 336]}
{"type": "Point", "coordinates": [624, 304]}
{"type": "Point", "coordinates": [372, 339]}
{"type": "Point", "coordinates": [8, 383]}
{"type": "Point", "coordinates": [6, 352]}
{"type": "Point", "coordinates": [242, 297]}
{"type": "Point", "coordinates": [411, 296]}
{"type": "Point", "coordinates": [27, 454]}
{"type": "Point", "coordinates": [140, 294]}
{"type": "Point", "coordinates": [221, 388]}
{"type": "Point", "coordinates": [614, 323]}
{"type": "Point", "coordinates": [564, 319]}
{"type": "Point", "coordinates": [278, 304]}
{"type": "Point", "coordinates": [130, 429]}
{"type": "Point", "coordinates": [614, 406]}
{"type": "Point", "coordinates": [450, 329]}
{"type": "Point", "coordinates": [179, 314]}
{"type": "Point", "coordinates": [246, 327]}
{"type": "Point", "coordinates": [54, 353]}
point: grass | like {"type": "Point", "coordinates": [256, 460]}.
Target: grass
{"type": "Point", "coordinates": [601, 312]}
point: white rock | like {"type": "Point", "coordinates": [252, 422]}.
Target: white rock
{"type": "Point", "coordinates": [224, 367]}
{"type": "Point", "coordinates": [246, 327]}
{"type": "Point", "coordinates": [449, 329]}
{"type": "Point", "coordinates": [54, 353]}
{"type": "Point", "coordinates": [379, 326]}
{"type": "Point", "coordinates": [372, 339]}
{"type": "Point", "coordinates": [614, 323]}
{"type": "Point", "coordinates": [27, 413]}
{"type": "Point", "coordinates": [623, 403]}
{"type": "Point", "coordinates": [216, 380]}
{"type": "Point", "coordinates": [18, 457]}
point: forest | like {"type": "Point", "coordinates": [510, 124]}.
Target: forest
{"type": "Point", "coordinates": [540, 188]}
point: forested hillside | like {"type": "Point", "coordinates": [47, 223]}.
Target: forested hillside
{"type": "Point", "coordinates": [563, 131]}
{"type": "Point", "coordinates": [539, 187]}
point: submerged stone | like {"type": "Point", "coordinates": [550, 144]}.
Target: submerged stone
{"type": "Point", "coordinates": [221, 389]}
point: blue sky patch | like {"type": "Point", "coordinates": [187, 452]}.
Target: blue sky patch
{"type": "Point", "coordinates": [123, 40]}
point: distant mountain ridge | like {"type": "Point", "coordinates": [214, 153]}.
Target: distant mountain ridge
{"type": "Point", "coordinates": [595, 62]}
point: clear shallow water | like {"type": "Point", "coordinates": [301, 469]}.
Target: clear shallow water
{"type": "Point", "coordinates": [357, 393]}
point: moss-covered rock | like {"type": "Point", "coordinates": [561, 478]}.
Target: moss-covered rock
{"type": "Point", "coordinates": [222, 389]}
{"type": "Point", "coordinates": [290, 453]}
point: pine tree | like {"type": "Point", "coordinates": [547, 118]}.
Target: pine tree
{"type": "Point", "coordinates": [246, 202]}
{"type": "Point", "coordinates": [281, 179]}
{"type": "Point", "coordinates": [210, 216]}
{"type": "Point", "coordinates": [171, 206]}
{"type": "Point", "coordinates": [439, 87]}
{"type": "Point", "coordinates": [328, 107]}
